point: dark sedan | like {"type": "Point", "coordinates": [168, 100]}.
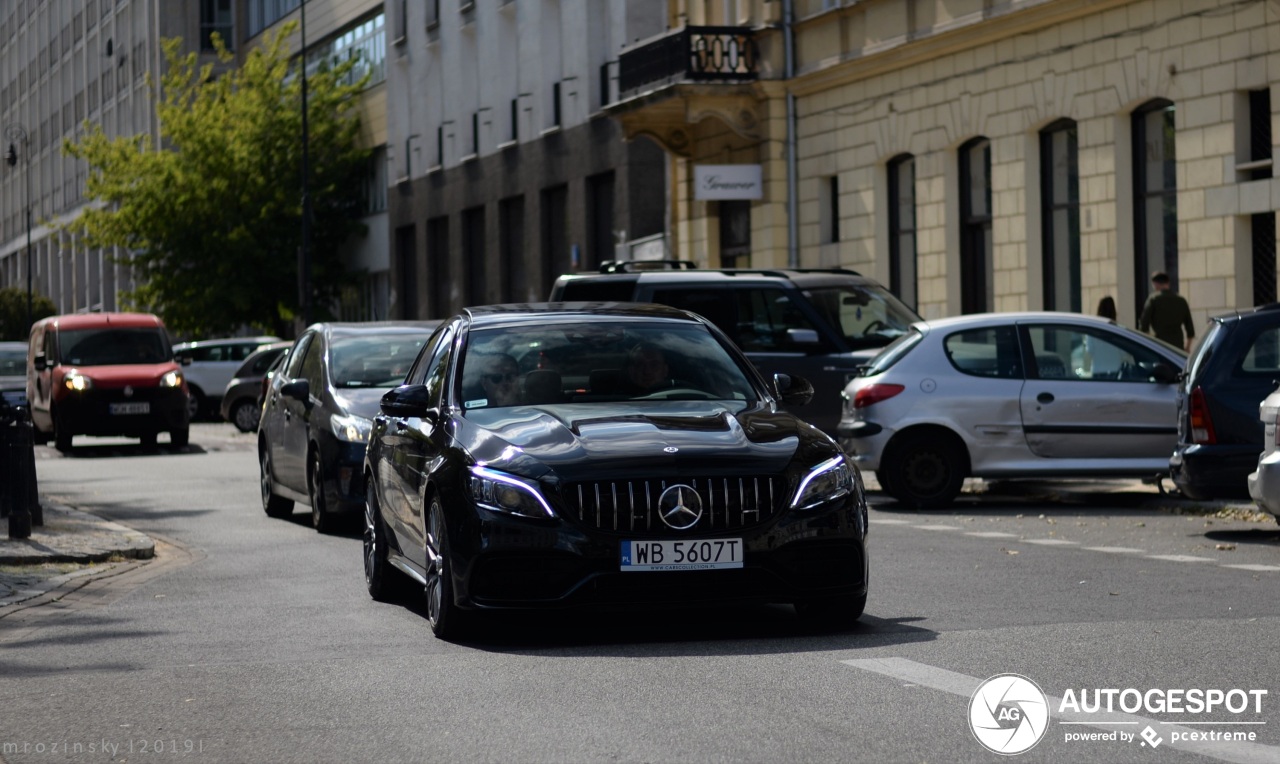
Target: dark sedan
{"type": "Point", "coordinates": [317, 412]}
{"type": "Point", "coordinates": [587, 454]}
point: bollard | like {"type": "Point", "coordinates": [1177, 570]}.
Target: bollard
{"type": "Point", "coordinates": [33, 491]}
{"type": "Point", "coordinates": [16, 448]}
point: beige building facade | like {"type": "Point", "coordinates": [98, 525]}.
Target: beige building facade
{"type": "Point", "coordinates": [980, 155]}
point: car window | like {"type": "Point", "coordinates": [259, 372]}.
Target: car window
{"type": "Point", "coordinates": [435, 371]}
{"type": "Point", "coordinates": [598, 362]}
{"type": "Point", "coordinates": [865, 315]}
{"type": "Point", "coordinates": [1077, 353]}
{"type": "Point", "coordinates": [300, 351]}
{"type": "Point", "coordinates": [373, 360]}
{"type": "Point", "coordinates": [13, 363]}
{"type": "Point", "coordinates": [1263, 356]}
{"type": "Point", "coordinates": [987, 352]}
{"type": "Point", "coordinates": [1204, 352]}
{"type": "Point", "coordinates": [894, 352]}
{"type": "Point", "coordinates": [101, 347]}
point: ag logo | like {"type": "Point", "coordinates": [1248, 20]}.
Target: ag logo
{"type": "Point", "coordinates": [1008, 714]}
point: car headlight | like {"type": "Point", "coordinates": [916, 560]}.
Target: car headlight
{"type": "Point", "coordinates": [77, 381]}
{"type": "Point", "coordinates": [351, 428]}
{"type": "Point", "coordinates": [828, 481]}
{"type": "Point", "coordinates": [506, 493]}
{"type": "Point", "coordinates": [171, 379]}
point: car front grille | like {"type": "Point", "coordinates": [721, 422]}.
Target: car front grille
{"type": "Point", "coordinates": [631, 506]}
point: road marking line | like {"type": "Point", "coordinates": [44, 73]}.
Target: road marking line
{"type": "Point", "coordinates": [1179, 558]}
{"type": "Point", "coordinates": [1253, 567]}
{"type": "Point", "coordinates": [911, 672]}
{"type": "Point", "coordinates": [992, 535]}
{"type": "Point", "coordinates": [1115, 549]}
{"type": "Point", "coordinates": [1050, 542]}
{"type": "Point", "coordinates": [890, 521]}
{"type": "Point", "coordinates": [936, 527]}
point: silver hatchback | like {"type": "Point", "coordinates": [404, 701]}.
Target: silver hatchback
{"type": "Point", "coordinates": [1001, 395]}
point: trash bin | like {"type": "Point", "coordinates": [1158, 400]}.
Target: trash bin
{"type": "Point", "coordinates": [18, 494]}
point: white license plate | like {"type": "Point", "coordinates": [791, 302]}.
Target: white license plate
{"type": "Point", "coordinates": [691, 554]}
{"type": "Point", "coordinates": [130, 408]}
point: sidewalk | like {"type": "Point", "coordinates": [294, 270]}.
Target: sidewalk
{"type": "Point", "coordinates": [70, 545]}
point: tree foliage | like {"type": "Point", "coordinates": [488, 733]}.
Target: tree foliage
{"type": "Point", "coordinates": [213, 221]}
{"type": "Point", "coordinates": [13, 312]}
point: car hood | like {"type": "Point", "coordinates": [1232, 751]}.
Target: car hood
{"type": "Point", "coordinates": [361, 401]}
{"type": "Point", "coordinates": [620, 440]}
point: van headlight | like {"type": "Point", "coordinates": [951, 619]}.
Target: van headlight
{"type": "Point", "coordinates": [171, 379]}
{"type": "Point", "coordinates": [77, 382]}
{"type": "Point", "coordinates": [351, 428]}
{"type": "Point", "coordinates": [826, 482]}
{"type": "Point", "coordinates": [507, 493]}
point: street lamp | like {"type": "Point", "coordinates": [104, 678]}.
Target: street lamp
{"type": "Point", "coordinates": [16, 133]}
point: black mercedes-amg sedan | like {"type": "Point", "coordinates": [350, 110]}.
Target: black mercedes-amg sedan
{"type": "Point", "coordinates": [589, 454]}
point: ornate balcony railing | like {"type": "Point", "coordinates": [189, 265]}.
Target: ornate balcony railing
{"type": "Point", "coordinates": [698, 54]}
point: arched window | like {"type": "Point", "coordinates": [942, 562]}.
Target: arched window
{"type": "Point", "coordinates": [1060, 215]}
{"type": "Point", "coordinates": [1155, 196]}
{"type": "Point", "coordinates": [902, 228]}
{"type": "Point", "coordinates": [976, 274]}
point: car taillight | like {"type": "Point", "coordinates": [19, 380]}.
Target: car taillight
{"type": "Point", "coordinates": [874, 394]}
{"type": "Point", "coordinates": [1201, 425]}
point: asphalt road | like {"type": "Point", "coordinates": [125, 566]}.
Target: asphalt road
{"type": "Point", "coordinates": [252, 639]}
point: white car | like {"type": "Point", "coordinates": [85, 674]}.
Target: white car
{"type": "Point", "coordinates": [209, 365]}
{"type": "Point", "coordinates": [999, 395]}
{"type": "Point", "coordinates": [1264, 482]}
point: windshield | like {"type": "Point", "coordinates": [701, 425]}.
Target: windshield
{"type": "Point", "coordinates": [106, 347]}
{"type": "Point", "coordinates": [373, 361]}
{"type": "Point", "coordinates": [598, 362]}
{"type": "Point", "coordinates": [13, 363]}
{"type": "Point", "coordinates": [867, 315]}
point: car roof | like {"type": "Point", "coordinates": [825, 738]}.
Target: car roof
{"type": "Point", "coordinates": [985, 319]}
{"type": "Point", "coordinates": [99, 320]}
{"type": "Point", "coordinates": [1270, 311]}
{"type": "Point", "coordinates": [354, 328]}
{"type": "Point", "coordinates": [798, 276]}
{"type": "Point", "coordinates": [263, 340]}
{"type": "Point", "coordinates": [541, 312]}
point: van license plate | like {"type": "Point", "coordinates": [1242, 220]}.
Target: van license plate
{"type": "Point", "coordinates": [693, 554]}
{"type": "Point", "coordinates": [143, 407]}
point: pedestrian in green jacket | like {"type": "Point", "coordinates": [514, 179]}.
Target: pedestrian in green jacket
{"type": "Point", "coordinates": [1167, 313]}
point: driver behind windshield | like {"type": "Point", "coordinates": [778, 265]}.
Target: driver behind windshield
{"type": "Point", "coordinates": [647, 369]}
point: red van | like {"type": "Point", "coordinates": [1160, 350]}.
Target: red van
{"type": "Point", "coordinates": [105, 374]}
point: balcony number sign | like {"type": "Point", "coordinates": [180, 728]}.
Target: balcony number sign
{"type": "Point", "coordinates": [727, 181]}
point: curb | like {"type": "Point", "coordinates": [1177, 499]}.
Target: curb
{"type": "Point", "coordinates": [72, 536]}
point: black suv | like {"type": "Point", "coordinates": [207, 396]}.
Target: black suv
{"type": "Point", "coordinates": [820, 324]}
{"type": "Point", "coordinates": [1236, 365]}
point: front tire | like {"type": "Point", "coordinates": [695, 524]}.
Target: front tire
{"type": "Point", "coordinates": [446, 619]}
{"type": "Point", "coordinates": [925, 472]}
{"type": "Point", "coordinates": [195, 403]}
{"type": "Point", "coordinates": [275, 506]}
{"type": "Point", "coordinates": [379, 576]}
{"type": "Point", "coordinates": [321, 518]}
{"type": "Point", "coordinates": [838, 613]}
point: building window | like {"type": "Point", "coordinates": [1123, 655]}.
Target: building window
{"type": "Point", "coordinates": [829, 208]}
{"type": "Point", "coordinates": [513, 277]}
{"type": "Point", "coordinates": [555, 104]}
{"type": "Point", "coordinates": [407, 272]}
{"type": "Point", "coordinates": [1263, 231]}
{"type": "Point", "coordinates": [1060, 215]}
{"type": "Point", "coordinates": [976, 274]}
{"type": "Point", "coordinates": [215, 16]}
{"type": "Point", "coordinates": [475, 133]}
{"type": "Point", "coordinates": [1155, 197]}
{"type": "Point", "coordinates": [1260, 133]}
{"type": "Point", "coordinates": [365, 41]}
{"type": "Point", "coordinates": [515, 119]}
{"type": "Point", "coordinates": [902, 228]}
{"type": "Point", "coordinates": [555, 235]}
{"type": "Point", "coordinates": [600, 189]}
{"type": "Point", "coordinates": [375, 186]}
{"type": "Point", "coordinates": [473, 253]}
{"type": "Point", "coordinates": [735, 234]}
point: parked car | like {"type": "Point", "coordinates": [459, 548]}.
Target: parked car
{"type": "Point", "coordinates": [316, 417]}
{"type": "Point", "coordinates": [210, 365]}
{"type": "Point", "coordinates": [13, 372]}
{"type": "Point", "coordinates": [820, 324]}
{"type": "Point", "coordinates": [1235, 366]}
{"type": "Point", "coordinates": [1264, 482]}
{"type": "Point", "coordinates": [1000, 395]}
{"type": "Point", "coordinates": [242, 398]}
{"type": "Point", "coordinates": [639, 459]}
{"type": "Point", "coordinates": [105, 374]}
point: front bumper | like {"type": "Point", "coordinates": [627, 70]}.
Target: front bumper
{"type": "Point", "coordinates": [90, 412]}
{"type": "Point", "coordinates": [514, 563]}
{"type": "Point", "coordinates": [863, 442]}
{"type": "Point", "coordinates": [1214, 471]}
{"type": "Point", "coordinates": [1264, 483]}
{"type": "Point", "coordinates": [343, 466]}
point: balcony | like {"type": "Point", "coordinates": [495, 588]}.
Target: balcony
{"type": "Point", "coordinates": [668, 83]}
{"type": "Point", "coordinates": [690, 54]}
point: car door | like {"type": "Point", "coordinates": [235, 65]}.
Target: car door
{"type": "Point", "coordinates": [1092, 393]}
{"type": "Point", "coordinates": [288, 435]}
{"type": "Point", "coordinates": [777, 334]}
{"type": "Point", "coordinates": [412, 445]}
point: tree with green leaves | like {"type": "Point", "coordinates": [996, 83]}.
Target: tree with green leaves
{"type": "Point", "coordinates": [212, 219]}
{"type": "Point", "coordinates": [13, 312]}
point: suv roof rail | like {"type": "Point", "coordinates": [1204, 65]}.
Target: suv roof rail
{"type": "Point", "coordinates": [784, 271]}
{"type": "Point", "coordinates": [631, 266]}
{"type": "Point", "coordinates": [1269, 306]}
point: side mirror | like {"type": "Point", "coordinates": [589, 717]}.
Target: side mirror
{"type": "Point", "coordinates": [409, 401]}
{"type": "Point", "coordinates": [803, 336]}
{"type": "Point", "coordinates": [299, 389]}
{"type": "Point", "coordinates": [1165, 374]}
{"type": "Point", "coordinates": [40, 363]}
{"type": "Point", "coordinates": [792, 390]}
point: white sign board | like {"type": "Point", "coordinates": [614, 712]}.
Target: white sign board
{"type": "Point", "coordinates": [727, 181]}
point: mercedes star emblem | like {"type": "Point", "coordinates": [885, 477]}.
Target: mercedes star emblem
{"type": "Point", "coordinates": [680, 507]}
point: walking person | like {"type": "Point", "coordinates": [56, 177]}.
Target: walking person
{"type": "Point", "coordinates": [1166, 314]}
